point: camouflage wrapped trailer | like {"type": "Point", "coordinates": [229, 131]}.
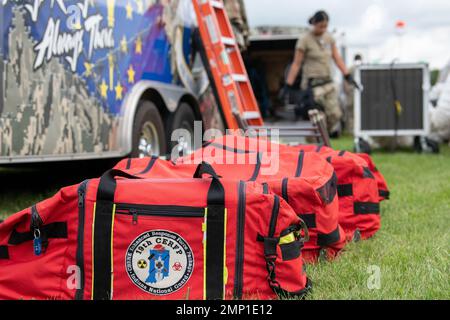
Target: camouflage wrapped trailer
{"type": "Point", "coordinates": [98, 79]}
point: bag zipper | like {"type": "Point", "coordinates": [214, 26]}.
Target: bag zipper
{"type": "Point", "coordinates": [136, 210]}
{"type": "Point", "coordinates": [36, 220]}
{"type": "Point", "coordinates": [40, 241]}
{"type": "Point", "coordinates": [80, 246]}
{"type": "Point", "coordinates": [240, 242]}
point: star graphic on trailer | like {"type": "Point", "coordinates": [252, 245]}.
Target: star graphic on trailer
{"type": "Point", "coordinates": [119, 91]}
{"type": "Point", "coordinates": [124, 45]}
{"type": "Point", "coordinates": [131, 74]}
{"type": "Point", "coordinates": [104, 89]}
{"type": "Point", "coordinates": [139, 45]}
{"type": "Point", "coordinates": [88, 66]}
{"type": "Point", "coordinates": [129, 10]}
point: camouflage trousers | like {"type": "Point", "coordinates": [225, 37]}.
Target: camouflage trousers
{"type": "Point", "coordinates": [327, 97]}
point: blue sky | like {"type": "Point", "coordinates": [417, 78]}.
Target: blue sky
{"type": "Point", "coordinates": [369, 25]}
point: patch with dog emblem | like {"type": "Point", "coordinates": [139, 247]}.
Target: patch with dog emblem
{"type": "Point", "coordinates": [159, 262]}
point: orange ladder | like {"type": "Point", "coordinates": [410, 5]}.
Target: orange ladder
{"type": "Point", "coordinates": [237, 100]}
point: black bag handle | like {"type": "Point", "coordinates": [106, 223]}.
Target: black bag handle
{"type": "Point", "coordinates": [205, 168]}
{"type": "Point", "coordinates": [215, 233]}
{"type": "Point", "coordinates": [108, 183]}
{"type": "Point", "coordinates": [104, 209]}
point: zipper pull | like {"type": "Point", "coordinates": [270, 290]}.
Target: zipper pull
{"type": "Point", "coordinates": [40, 241]}
{"type": "Point", "coordinates": [37, 242]}
{"type": "Point", "coordinates": [135, 216]}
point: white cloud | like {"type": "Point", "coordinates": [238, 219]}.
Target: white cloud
{"type": "Point", "coordinates": [373, 18]}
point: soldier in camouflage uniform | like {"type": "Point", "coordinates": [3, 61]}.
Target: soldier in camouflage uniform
{"type": "Point", "coordinates": [314, 51]}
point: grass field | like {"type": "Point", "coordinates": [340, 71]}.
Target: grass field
{"type": "Point", "coordinates": [411, 251]}
{"type": "Point", "coordinates": [412, 248]}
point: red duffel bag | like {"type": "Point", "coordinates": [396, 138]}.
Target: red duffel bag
{"type": "Point", "coordinates": [120, 237]}
{"type": "Point", "coordinates": [359, 205]}
{"type": "Point", "coordinates": [383, 189]}
{"type": "Point", "coordinates": [359, 200]}
{"type": "Point", "coordinates": [304, 180]}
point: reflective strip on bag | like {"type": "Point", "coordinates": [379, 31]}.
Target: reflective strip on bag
{"type": "Point", "coordinates": [288, 239]}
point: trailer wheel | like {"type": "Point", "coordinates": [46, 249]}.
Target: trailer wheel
{"type": "Point", "coordinates": [148, 132]}
{"type": "Point", "coordinates": [183, 118]}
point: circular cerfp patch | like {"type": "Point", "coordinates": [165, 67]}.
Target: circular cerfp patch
{"type": "Point", "coordinates": [159, 262]}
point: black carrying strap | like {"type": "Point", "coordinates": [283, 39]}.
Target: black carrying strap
{"type": "Point", "coordinates": [384, 194]}
{"type": "Point", "coordinates": [259, 156]}
{"type": "Point", "coordinates": [102, 236]}
{"type": "Point", "coordinates": [301, 294]}
{"type": "Point", "coordinates": [4, 253]}
{"type": "Point", "coordinates": [270, 254]}
{"type": "Point", "coordinates": [215, 234]}
{"type": "Point", "coordinates": [366, 208]}
{"type": "Point", "coordinates": [345, 190]}
{"type": "Point", "coordinates": [205, 168]}
{"type": "Point", "coordinates": [325, 240]}
{"type": "Point", "coordinates": [129, 162]}
{"type": "Point", "coordinates": [150, 165]}
{"type": "Point", "coordinates": [226, 148]}
{"type": "Point", "coordinates": [257, 167]}
{"type": "Point", "coordinates": [309, 219]}
{"type": "Point", "coordinates": [57, 230]}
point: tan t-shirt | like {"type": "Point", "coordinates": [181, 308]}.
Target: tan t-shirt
{"type": "Point", "coordinates": [318, 55]}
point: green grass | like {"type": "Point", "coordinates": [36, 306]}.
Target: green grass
{"type": "Point", "coordinates": [411, 249]}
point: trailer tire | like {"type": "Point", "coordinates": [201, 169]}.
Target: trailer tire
{"type": "Point", "coordinates": [183, 118]}
{"type": "Point", "coordinates": [149, 137]}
